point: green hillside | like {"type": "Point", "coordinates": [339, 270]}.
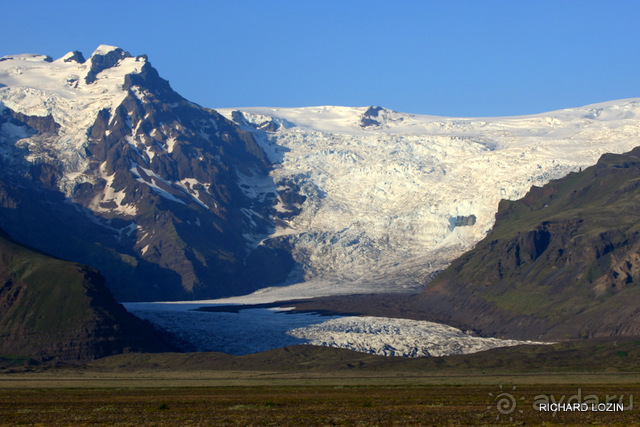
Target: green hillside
{"type": "Point", "coordinates": [563, 262]}
{"type": "Point", "coordinates": [54, 310]}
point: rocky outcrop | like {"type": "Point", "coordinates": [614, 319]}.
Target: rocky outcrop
{"type": "Point", "coordinates": [563, 262]}
{"type": "Point", "coordinates": [44, 124]}
{"type": "Point", "coordinates": [371, 117]}
{"type": "Point", "coordinates": [101, 62]}
{"type": "Point", "coordinates": [75, 56]}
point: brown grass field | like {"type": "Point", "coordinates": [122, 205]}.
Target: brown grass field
{"type": "Point", "coordinates": [319, 386]}
{"type": "Point", "coordinates": [308, 401]}
{"type": "Point", "coordinates": [302, 405]}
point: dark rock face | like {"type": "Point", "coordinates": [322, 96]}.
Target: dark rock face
{"type": "Point", "coordinates": [563, 262]}
{"type": "Point", "coordinates": [76, 57]}
{"type": "Point", "coordinates": [151, 80]}
{"type": "Point", "coordinates": [174, 202]}
{"type": "Point", "coordinates": [102, 62]}
{"type": "Point", "coordinates": [370, 117]}
{"type": "Point", "coordinates": [56, 311]}
{"type": "Point", "coordinates": [375, 117]}
{"type": "Point", "coordinates": [462, 221]}
{"type": "Point", "coordinates": [267, 125]}
{"type": "Point", "coordinates": [44, 124]}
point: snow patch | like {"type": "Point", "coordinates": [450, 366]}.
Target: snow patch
{"type": "Point", "coordinates": [190, 187]}
{"type": "Point", "coordinates": [171, 143]}
{"type": "Point", "coordinates": [104, 49]}
{"type": "Point", "coordinates": [160, 186]}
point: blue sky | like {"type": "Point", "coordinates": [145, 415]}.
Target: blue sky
{"type": "Point", "coordinates": [448, 57]}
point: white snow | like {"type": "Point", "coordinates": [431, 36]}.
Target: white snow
{"type": "Point", "coordinates": [104, 49]}
{"type": "Point", "coordinates": [159, 185]}
{"type": "Point", "coordinates": [189, 187]}
{"type": "Point", "coordinates": [103, 201]}
{"type": "Point", "coordinates": [256, 185]}
{"type": "Point", "coordinates": [381, 199]}
{"type": "Point", "coordinates": [171, 143]}
{"type": "Point", "coordinates": [32, 57]}
{"type": "Point", "coordinates": [13, 132]}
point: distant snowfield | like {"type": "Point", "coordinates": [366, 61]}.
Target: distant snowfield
{"type": "Point", "coordinates": [255, 330]}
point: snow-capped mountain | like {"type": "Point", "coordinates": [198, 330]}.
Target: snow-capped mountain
{"type": "Point", "coordinates": [385, 199]}
{"type": "Point", "coordinates": [103, 163]}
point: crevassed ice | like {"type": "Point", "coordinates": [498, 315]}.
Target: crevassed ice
{"type": "Point", "coordinates": [389, 204]}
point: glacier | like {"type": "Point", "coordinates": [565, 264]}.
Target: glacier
{"type": "Point", "coordinates": [251, 330]}
{"type": "Point", "coordinates": [366, 199]}
{"type": "Point", "coordinates": [392, 198]}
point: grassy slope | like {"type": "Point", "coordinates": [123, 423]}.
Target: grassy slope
{"type": "Point", "coordinates": [52, 309]}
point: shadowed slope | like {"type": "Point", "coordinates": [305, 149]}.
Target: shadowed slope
{"type": "Point", "coordinates": [54, 310]}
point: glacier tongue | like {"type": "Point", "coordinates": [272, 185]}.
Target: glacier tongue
{"type": "Point", "coordinates": [396, 337]}
{"type": "Point", "coordinates": [390, 198]}
{"type": "Point", "coordinates": [250, 330]}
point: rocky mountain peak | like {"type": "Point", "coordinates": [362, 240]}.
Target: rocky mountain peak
{"type": "Point", "coordinates": [102, 58]}
{"type": "Point", "coordinates": [373, 111]}
{"type": "Point", "coordinates": [75, 56]}
{"type": "Point", "coordinates": [375, 116]}
{"type": "Point", "coordinates": [105, 49]}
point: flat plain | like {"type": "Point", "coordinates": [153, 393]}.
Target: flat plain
{"type": "Point", "coordinates": [307, 385]}
{"type": "Point", "coordinates": [306, 405]}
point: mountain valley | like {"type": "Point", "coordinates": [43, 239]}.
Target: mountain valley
{"type": "Point", "coordinates": [102, 163]}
